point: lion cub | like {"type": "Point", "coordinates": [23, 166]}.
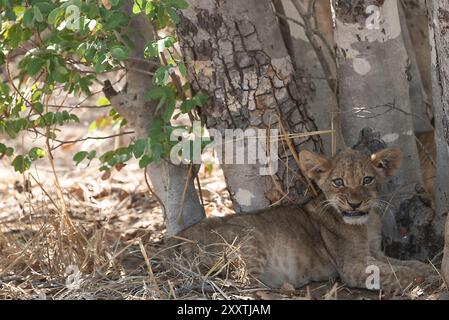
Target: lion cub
{"type": "Point", "coordinates": [336, 234]}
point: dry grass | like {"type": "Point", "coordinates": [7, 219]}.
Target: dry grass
{"type": "Point", "coordinates": [86, 253]}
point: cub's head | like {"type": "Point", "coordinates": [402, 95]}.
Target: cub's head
{"type": "Point", "coordinates": [351, 181]}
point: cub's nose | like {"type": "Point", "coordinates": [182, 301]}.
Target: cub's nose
{"type": "Point", "coordinates": [354, 205]}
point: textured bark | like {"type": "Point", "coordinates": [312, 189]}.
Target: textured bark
{"type": "Point", "coordinates": [418, 96]}
{"type": "Point", "coordinates": [167, 179]}
{"type": "Point", "coordinates": [414, 23]}
{"type": "Point", "coordinates": [236, 54]}
{"type": "Point", "coordinates": [418, 25]}
{"type": "Point", "coordinates": [439, 41]}
{"type": "Point", "coordinates": [374, 92]}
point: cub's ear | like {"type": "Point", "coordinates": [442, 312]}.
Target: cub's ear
{"type": "Point", "coordinates": [387, 161]}
{"type": "Point", "coordinates": [312, 164]}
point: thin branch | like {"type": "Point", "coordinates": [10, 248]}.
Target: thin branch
{"type": "Point", "coordinates": [285, 30]}
{"type": "Point", "coordinates": [311, 34]}
{"type": "Point", "coordinates": [62, 142]}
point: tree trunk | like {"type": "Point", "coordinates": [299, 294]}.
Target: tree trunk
{"type": "Point", "coordinates": [374, 92]}
{"type": "Point", "coordinates": [167, 179]}
{"type": "Point", "coordinates": [414, 21]}
{"type": "Point", "coordinates": [314, 47]}
{"type": "Point", "coordinates": [439, 41]}
{"type": "Point", "coordinates": [418, 96]}
{"type": "Point", "coordinates": [236, 54]}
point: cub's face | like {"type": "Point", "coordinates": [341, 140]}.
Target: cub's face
{"type": "Point", "coordinates": [351, 181]}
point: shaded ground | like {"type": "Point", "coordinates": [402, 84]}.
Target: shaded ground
{"type": "Point", "coordinates": [75, 234]}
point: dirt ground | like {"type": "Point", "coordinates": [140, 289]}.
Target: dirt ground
{"type": "Point", "coordinates": [73, 233]}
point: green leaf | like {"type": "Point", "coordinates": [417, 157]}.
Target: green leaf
{"type": "Point", "coordinates": [36, 153]}
{"type": "Point", "coordinates": [59, 118]}
{"type": "Point", "coordinates": [91, 155]}
{"type": "Point", "coordinates": [61, 74]}
{"type": "Point", "coordinates": [173, 15]}
{"type": "Point", "coordinates": [168, 112]}
{"type": "Point", "coordinates": [200, 99]}
{"type": "Point", "coordinates": [103, 101]}
{"type": "Point", "coordinates": [144, 161]}
{"type": "Point", "coordinates": [28, 18]}
{"type": "Point", "coordinates": [180, 4]}
{"type": "Point", "coordinates": [182, 69]}
{"type": "Point", "coordinates": [80, 156]}
{"type": "Point", "coordinates": [149, 7]}
{"type": "Point", "coordinates": [74, 118]}
{"type": "Point", "coordinates": [119, 52]}
{"type": "Point", "coordinates": [162, 75]}
{"type": "Point", "coordinates": [139, 147]}
{"type": "Point", "coordinates": [155, 93]}
{"type": "Point", "coordinates": [2, 56]}
{"type": "Point", "coordinates": [151, 50]}
{"type": "Point", "coordinates": [187, 106]}
{"type": "Point", "coordinates": [4, 150]}
{"type": "Point", "coordinates": [21, 163]}
{"type": "Point", "coordinates": [54, 15]}
{"type": "Point", "coordinates": [9, 151]}
{"type": "Point", "coordinates": [35, 66]}
{"type": "Point", "coordinates": [138, 6]}
{"type": "Point", "coordinates": [38, 14]}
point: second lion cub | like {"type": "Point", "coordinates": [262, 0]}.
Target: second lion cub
{"type": "Point", "coordinates": [333, 235]}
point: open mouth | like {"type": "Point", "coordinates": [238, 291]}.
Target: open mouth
{"type": "Point", "coordinates": [354, 213]}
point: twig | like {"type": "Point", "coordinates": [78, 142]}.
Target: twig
{"type": "Point", "coordinates": [285, 30]}
{"type": "Point", "coordinates": [311, 32]}
{"type": "Point", "coordinates": [296, 157]}
{"type": "Point", "coordinates": [150, 269]}
{"type": "Point", "coordinates": [63, 142]}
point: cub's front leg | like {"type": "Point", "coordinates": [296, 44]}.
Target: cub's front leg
{"type": "Point", "coordinates": [362, 274]}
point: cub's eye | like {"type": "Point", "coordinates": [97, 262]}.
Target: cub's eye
{"type": "Point", "coordinates": [367, 180]}
{"type": "Point", "coordinates": [338, 183]}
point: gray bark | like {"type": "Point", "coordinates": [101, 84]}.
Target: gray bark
{"type": "Point", "coordinates": [167, 179]}
{"type": "Point", "coordinates": [309, 61]}
{"type": "Point", "coordinates": [417, 94]}
{"type": "Point", "coordinates": [374, 92]}
{"type": "Point", "coordinates": [236, 54]}
{"type": "Point", "coordinates": [414, 23]}
{"type": "Point", "coordinates": [439, 41]}
{"type": "Point", "coordinates": [418, 26]}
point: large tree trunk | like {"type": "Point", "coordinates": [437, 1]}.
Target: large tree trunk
{"type": "Point", "coordinates": [417, 42]}
{"type": "Point", "coordinates": [236, 54]}
{"type": "Point", "coordinates": [167, 179]}
{"type": "Point", "coordinates": [312, 38]}
{"type": "Point", "coordinates": [439, 41]}
{"type": "Point", "coordinates": [374, 92]}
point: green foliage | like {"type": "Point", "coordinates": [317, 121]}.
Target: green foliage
{"type": "Point", "coordinates": [22, 163]}
{"type": "Point", "coordinates": [69, 44]}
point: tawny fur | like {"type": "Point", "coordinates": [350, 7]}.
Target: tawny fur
{"type": "Point", "coordinates": [325, 238]}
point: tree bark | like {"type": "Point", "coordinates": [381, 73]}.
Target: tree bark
{"type": "Point", "coordinates": [417, 94]}
{"type": "Point", "coordinates": [167, 179]}
{"type": "Point", "coordinates": [314, 47]}
{"type": "Point", "coordinates": [414, 22]}
{"type": "Point", "coordinates": [236, 54]}
{"type": "Point", "coordinates": [439, 41]}
{"type": "Point", "coordinates": [374, 92]}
